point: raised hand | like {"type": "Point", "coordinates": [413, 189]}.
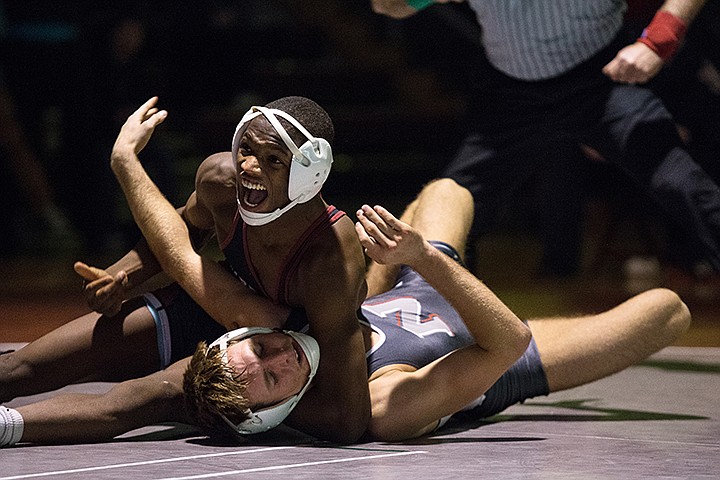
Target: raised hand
{"type": "Point", "coordinates": [138, 129]}
{"type": "Point", "coordinates": [388, 240]}
{"type": "Point", "coordinates": [104, 293]}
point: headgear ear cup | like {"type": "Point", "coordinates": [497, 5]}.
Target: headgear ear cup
{"type": "Point", "coordinates": [306, 181]}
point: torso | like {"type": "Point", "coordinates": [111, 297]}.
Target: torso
{"type": "Point", "coordinates": [269, 264]}
{"type": "Point", "coordinates": [413, 325]}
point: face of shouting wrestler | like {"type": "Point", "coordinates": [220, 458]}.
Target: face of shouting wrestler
{"type": "Point", "coordinates": [263, 168]}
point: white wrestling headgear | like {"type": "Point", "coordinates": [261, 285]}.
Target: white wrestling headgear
{"type": "Point", "coordinates": [309, 167]}
{"type": "Point", "coordinates": [270, 417]}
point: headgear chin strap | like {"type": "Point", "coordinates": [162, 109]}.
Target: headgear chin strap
{"type": "Point", "coordinates": [309, 167]}
{"type": "Point", "coordinates": [270, 417]}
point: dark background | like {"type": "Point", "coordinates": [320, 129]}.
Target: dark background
{"type": "Point", "coordinates": [396, 90]}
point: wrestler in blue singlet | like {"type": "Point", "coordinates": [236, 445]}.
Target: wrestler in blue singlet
{"type": "Point", "coordinates": [417, 326]}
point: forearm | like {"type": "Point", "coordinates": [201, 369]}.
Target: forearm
{"type": "Point", "coordinates": [223, 297]}
{"type": "Point", "coordinates": [686, 10]}
{"type": "Point", "coordinates": [493, 325]}
{"type": "Point", "coordinates": [338, 423]}
{"type": "Point", "coordinates": [140, 265]}
{"type": "Point", "coordinates": [77, 417]}
{"type": "Point", "coordinates": [163, 229]}
{"type": "Point", "coordinates": [663, 36]}
{"type": "Point", "coordinates": [71, 418]}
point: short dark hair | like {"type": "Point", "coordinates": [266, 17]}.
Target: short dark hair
{"type": "Point", "coordinates": [310, 115]}
{"type": "Point", "coordinates": [212, 389]}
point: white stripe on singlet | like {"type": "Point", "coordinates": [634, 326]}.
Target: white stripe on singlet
{"type": "Point", "coordinates": [162, 327]}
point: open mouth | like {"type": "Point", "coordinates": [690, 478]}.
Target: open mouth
{"type": "Point", "coordinates": [253, 193]}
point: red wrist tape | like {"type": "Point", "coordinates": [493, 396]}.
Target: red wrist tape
{"type": "Point", "coordinates": [664, 34]}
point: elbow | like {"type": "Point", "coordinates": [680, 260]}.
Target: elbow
{"type": "Point", "coordinates": [681, 317]}
{"type": "Point", "coordinates": [378, 433]}
{"type": "Point", "coordinates": [349, 428]}
{"type": "Point", "coordinates": [672, 317]}
{"type": "Point", "coordinates": [392, 8]}
{"type": "Point", "coordinates": [520, 341]}
{"type": "Point", "coordinates": [525, 336]}
{"type": "Point", "coordinates": [334, 424]}
{"type": "Point", "coordinates": [381, 431]}
{"type": "Point", "coordinates": [380, 7]}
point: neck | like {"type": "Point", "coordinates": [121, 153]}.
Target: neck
{"type": "Point", "coordinates": [259, 219]}
{"type": "Point", "coordinates": [294, 222]}
{"type": "Point", "coordinates": [292, 209]}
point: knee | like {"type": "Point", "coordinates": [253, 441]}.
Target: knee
{"type": "Point", "coordinates": [448, 188]}
{"type": "Point", "coordinates": [676, 174]}
{"type": "Point", "coordinates": [448, 185]}
{"type": "Point", "coordinates": [676, 315]}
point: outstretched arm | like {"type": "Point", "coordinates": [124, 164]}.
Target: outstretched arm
{"type": "Point", "coordinates": [76, 417]}
{"type": "Point", "coordinates": [410, 403]}
{"type": "Point", "coordinates": [222, 296]}
{"type": "Point", "coordinates": [643, 60]}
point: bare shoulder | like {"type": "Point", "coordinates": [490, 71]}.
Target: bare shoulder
{"type": "Point", "coordinates": [334, 264]}
{"type": "Point", "coordinates": [217, 169]}
{"type": "Point", "coordinates": [339, 246]}
{"type": "Point", "coordinates": [215, 192]}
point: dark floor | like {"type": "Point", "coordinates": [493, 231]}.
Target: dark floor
{"type": "Point", "coordinates": [660, 419]}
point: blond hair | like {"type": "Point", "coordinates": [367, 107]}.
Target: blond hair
{"type": "Point", "coordinates": [212, 389]}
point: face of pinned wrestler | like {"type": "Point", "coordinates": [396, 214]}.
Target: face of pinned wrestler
{"type": "Point", "coordinates": [263, 168]}
{"type": "Point", "coordinates": [274, 365]}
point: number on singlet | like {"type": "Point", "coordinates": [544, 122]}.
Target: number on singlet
{"type": "Point", "coordinates": [407, 312]}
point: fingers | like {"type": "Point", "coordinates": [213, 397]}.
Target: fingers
{"type": "Point", "coordinates": [618, 70]}
{"type": "Point", "coordinates": [87, 272]}
{"type": "Point", "coordinates": [157, 118]}
{"type": "Point", "coordinates": [145, 107]}
{"type": "Point", "coordinates": [621, 72]}
{"type": "Point", "coordinates": [154, 117]}
{"type": "Point", "coordinates": [372, 248]}
{"type": "Point", "coordinates": [106, 286]}
{"type": "Point", "coordinates": [122, 278]}
{"type": "Point", "coordinates": [96, 276]}
{"type": "Point", "coordinates": [149, 113]}
{"type": "Point", "coordinates": [99, 284]}
{"type": "Point", "coordinates": [384, 220]}
{"type": "Point", "coordinates": [142, 111]}
{"type": "Point", "coordinates": [364, 238]}
{"type": "Point", "coordinates": [390, 220]}
{"type": "Point", "coordinates": [375, 226]}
